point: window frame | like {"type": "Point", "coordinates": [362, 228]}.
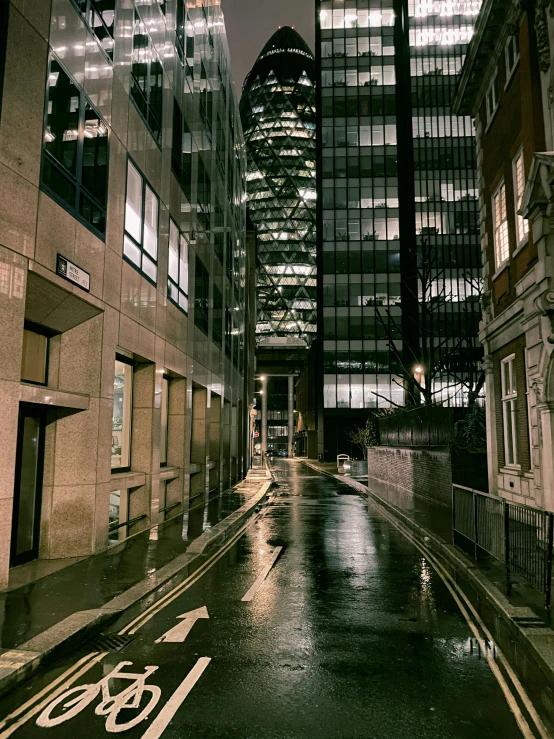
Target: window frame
{"type": "Point", "coordinates": [202, 325]}
{"type": "Point", "coordinates": [508, 401]}
{"type": "Point", "coordinates": [181, 238]}
{"type": "Point", "coordinates": [75, 180]}
{"type": "Point", "coordinates": [493, 87]}
{"type": "Point", "coordinates": [134, 83]}
{"type": "Point", "coordinates": [130, 363]}
{"type": "Point", "coordinates": [521, 223]}
{"type": "Point", "coordinates": [511, 41]}
{"type": "Point", "coordinates": [166, 379]}
{"type": "Point", "coordinates": [48, 333]}
{"type": "Point", "coordinates": [125, 494]}
{"type": "Point", "coordinates": [91, 5]}
{"type": "Point", "coordinates": [497, 236]}
{"type": "Point", "coordinates": [145, 184]}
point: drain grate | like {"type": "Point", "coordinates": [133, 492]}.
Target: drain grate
{"type": "Point", "coordinates": [113, 642]}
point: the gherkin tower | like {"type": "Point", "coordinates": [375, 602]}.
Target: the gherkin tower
{"type": "Point", "coordinates": [279, 120]}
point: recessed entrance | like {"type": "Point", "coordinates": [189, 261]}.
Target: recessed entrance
{"type": "Point", "coordinates": [28, 485]}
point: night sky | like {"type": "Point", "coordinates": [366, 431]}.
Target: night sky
{"type": "Point", "coordinates": [250, 23]}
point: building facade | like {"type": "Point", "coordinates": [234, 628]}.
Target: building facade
{"type": "Point", "coordinates": [397, 210]}
{"type": "Point", "coordinates": [122, 271]}
{"type": "Point", "coordinates": [507, 86]}
{"type": "Point", "coordinates": [278, 115]}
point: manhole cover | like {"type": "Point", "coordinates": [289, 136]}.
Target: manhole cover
{"type": "Point", "coordinates": [113, 642]}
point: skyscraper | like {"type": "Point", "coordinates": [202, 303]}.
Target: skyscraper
{"type": "Point", "coordinates": [397, 207]}
{"type": "Point", "coordinates": [279, 121]}
{"type": "Point", "coordinates": [278, 114]}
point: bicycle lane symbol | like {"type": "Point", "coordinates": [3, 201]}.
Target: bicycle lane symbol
{"type": "Point", "coordinates": [70, 703]}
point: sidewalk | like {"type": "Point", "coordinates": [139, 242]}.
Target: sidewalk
{"type": "Point", "coordinates": [43, 615]}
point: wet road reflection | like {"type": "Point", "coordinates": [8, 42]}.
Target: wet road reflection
{"type": "Point", "coordinates": [351, 635]}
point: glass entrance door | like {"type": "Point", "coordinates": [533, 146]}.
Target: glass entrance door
{"type": "Point", "coordinates": [28, 485]}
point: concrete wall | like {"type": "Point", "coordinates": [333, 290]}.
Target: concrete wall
{"type": "Point", "coordinates": [422, 472]}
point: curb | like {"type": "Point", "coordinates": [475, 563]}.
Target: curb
{"type": "Point", "coordinates": [19, 664]}
{"type": "Point", "coordinates": [538, 641]}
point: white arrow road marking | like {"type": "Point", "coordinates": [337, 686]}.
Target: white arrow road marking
{"type": "Point", "coordinates": [180, 632]}
{"type": "Point", "coordinates": [159, 725]}
{"type": "Point", "coordinates": [262, 576]}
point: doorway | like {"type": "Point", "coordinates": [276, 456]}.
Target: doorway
{"type": "Point", "coordinates": [28, 485]}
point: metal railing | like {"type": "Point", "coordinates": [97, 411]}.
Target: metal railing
{"type": "Point", "coordinates": [520, 537]}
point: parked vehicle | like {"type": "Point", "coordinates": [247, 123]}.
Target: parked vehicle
{"type": "Point", "coordinates": [283, 453]}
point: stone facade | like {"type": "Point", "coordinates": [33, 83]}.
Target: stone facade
{"type": "Point", "coordinates": [510, 59]}
{"type": "Point", "coordinates": [188, 416]}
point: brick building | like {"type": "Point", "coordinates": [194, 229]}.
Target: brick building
{"type": "Point", "coordinates": [506, 85]}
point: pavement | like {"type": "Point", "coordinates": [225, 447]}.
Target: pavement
{"type": "Point", "coordinates": [320, 620]}
{"type": "Point", "coordinates": [58, 611]}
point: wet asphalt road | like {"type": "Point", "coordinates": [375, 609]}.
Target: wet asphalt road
{"type": "Point", "coordinates": [352, 635]}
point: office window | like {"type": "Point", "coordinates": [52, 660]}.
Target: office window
{"type": "Point", "coordinates": [501, 240]}
{"type": "Point", "coordinates": [228, 332]}
{"type": "Point", "coordinates": [99, 15]}
{"type": "Point", "coordinates": [180, 29]}
{"type": "Point", "coordinates": [140, 245]}
{"type": "Point", "coordinates": [121, 418]}
{"type": "Point", "coordinates": [164, 421]}
{"type": "Point", "coordinates": [509, 409]}
{"type": "Point", "coordinates": [181, 151]}
{"type": "Point", "coordinates": [522, 224]}
{"type": "Point", "coordinates": [34, 361]}
{"type": "Point", "coordinates": [75, 155]}
{"type": "Point", "coordinates": [201, 296]}
{"type": "Point", "coordinates": [491, 98]}
{"type": "Point", "coordinates": [511, 54]}
{"type": "Point", "coordinates": [147, 79]}
{"type": "Point", "coordinates": [217, 331]}
{"type": "Point", "coordinates": [178, 268]}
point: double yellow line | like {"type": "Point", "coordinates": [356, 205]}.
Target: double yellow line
{"type": "Point", "coordinates": [484, 638]}
{"type": "Point", "coordinates": [39, 701]}
{"type": "Point", "coordinates": [34, 705]}
{"type": "Point", "coordinates": [149, 613]}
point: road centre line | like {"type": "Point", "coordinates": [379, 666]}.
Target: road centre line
{"type": "Point", "coordinates": [262, 576]}
{"type": "Point", "coordinates": [456, 591]}
{"type": "Point", "coordinates": [86, 663]}
{"type": "Point", "coordinates": [178, 590]}
{"type": "Point", "coordinates": [160, 723]}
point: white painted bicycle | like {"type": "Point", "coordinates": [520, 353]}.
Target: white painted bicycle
{"type": "Point", "coordinates": [75, 700]}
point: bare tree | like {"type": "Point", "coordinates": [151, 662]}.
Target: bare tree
{"type": "Point", "coordinates": [437, 356]}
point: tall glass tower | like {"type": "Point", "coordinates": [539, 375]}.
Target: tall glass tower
{"type": "Point", "coordinates": [397, 205]}
{"type": "Point", "coordinates": [279, 121]}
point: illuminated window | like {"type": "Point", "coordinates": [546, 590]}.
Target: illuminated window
{"type": "Point", "coordinates": [501, 240]}
{"type": "Point", "coordinates": [121, 417]}
{"type": "Point", "coordinates": [509, 409]}
{"type": "Point", "coordinates": [522, 224]}
{"type": "Point", "coordinates": [75, 161]}
{"type": "Point", "coordinates": [140, 244]}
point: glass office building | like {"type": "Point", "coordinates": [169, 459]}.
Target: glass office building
{"type": "Point", "coordinates": [397, 203]}
{"type": "Point", "coordinates": [279, 121]}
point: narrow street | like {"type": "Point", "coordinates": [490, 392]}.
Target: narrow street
{"type": "Point", "coordinates": [350, 635]}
